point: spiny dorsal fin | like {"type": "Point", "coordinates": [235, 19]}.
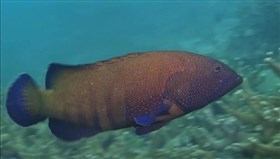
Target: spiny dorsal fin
{"type": "Point", "coordinates": [120, 58]}
{"type": "Point", "coordinates": [55, 69]}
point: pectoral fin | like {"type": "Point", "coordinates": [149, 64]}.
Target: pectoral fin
{"type": "Point", "coordinates": [145, 120]}
{"type": "Point", "coordinates": [149, 119]}
{"type": "Point", "coordinates": [157, 119]}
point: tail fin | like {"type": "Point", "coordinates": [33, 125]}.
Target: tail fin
{"type": "Point", "coordinates": [24, 101]}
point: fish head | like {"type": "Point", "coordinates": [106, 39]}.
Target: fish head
{"type": "Point", "coordinates": [220, 79]}
{"type": "Point", "coordinates": [203, 81]}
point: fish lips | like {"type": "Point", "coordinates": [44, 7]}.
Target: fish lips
{"type": "Point", "coordinates": [226, 86]}
{"type": "Point", "coordinates": [238, 80]}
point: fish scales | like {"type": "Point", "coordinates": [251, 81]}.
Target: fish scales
{"type": "Point", "coordinates": [141, 79]}
{"type": "Point", "coordinates": [144, 90]}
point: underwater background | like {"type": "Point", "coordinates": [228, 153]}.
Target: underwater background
{"type": "Point", "coordinates": [244, 124]}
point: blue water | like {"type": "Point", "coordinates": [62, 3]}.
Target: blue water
{"type": "Point", "coordinates": [37, 33]}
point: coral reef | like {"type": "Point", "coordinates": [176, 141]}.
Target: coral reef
{"type": "Point", "coordinates": [244, 124]}
{"type": "Point", "coordinates": [256, 30]}
{"type": "Point", "coordinates": [273, 65]}
{"type": "Point", "coordinates": [261, 114]}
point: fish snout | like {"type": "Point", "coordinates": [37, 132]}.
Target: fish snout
{"type": "Point", "coordinates": [239, 80]}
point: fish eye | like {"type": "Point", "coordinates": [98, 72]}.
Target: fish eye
{"type": "Point", "coordinates": [217, 68]}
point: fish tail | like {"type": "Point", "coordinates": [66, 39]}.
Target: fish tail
{"type": "Point", "coordinates": [25, 101]}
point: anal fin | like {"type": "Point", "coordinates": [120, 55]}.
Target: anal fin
{"type": "Point", "coordinates": [70, 132]}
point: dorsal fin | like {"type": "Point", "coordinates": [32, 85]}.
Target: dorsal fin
{"type": "Point", "coordinates": [119, 58]}
{"type": "Point", "coordinates": [55, 69]}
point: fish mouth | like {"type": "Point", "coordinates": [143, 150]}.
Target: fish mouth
{"type": "Point", "coordinates": [239, 80]}
{"type": "Point", "coordinates": [229, 86]}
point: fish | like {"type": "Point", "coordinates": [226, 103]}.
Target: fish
{"type": "Point", "coordinates": [143, 90]}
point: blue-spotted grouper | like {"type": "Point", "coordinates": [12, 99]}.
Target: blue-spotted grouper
{"type": "Point", "coordinates": [142, 90]}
